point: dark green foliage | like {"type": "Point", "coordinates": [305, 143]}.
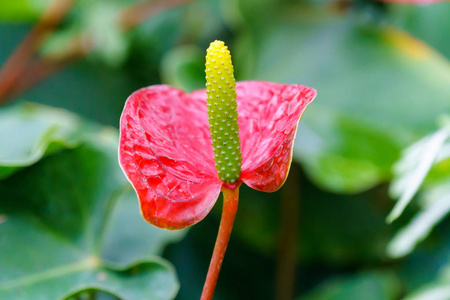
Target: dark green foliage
{"type": "Point", "coordinates": [69, 222]}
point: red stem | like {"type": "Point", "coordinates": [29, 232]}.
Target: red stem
{"type": "Point", "coordinates": [230, 205]}
{"type": "Point", "coordinates": [16, 65]}
{"type": "Point", "coordinates": [18, 74]}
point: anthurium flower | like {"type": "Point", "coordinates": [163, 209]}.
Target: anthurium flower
{"type": "Point", "coordinates": [180, 150]}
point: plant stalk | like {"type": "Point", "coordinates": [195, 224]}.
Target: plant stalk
{"type": "Point", "coordinates": [288, 239]}
{"type": "Point", "coordinates": [15, 67]}
{"type": "Point", "coordinates": [230, 205]}
{"type": "Point", "coordinates": [21, 71]}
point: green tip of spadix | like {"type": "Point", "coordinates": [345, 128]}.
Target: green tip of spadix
{"type": "Point", "coordinates": [222, 112]}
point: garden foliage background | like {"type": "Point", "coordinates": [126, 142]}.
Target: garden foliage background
{"type": "Point", "coordinates": [378, 131]}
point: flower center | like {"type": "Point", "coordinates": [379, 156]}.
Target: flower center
{"type": "Point", "coordinates": [222, 112]}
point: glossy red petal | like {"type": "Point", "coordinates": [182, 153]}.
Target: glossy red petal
{"type": "Point", "coordinates": [165, 150]}
{"type": "Point", "coordinates": [268, 118]}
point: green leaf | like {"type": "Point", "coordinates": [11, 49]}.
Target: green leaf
{"type": "Point", "coordinates": [122, 245]}
{"type": "Point", "coordinates": [183, 67]}
{"type": "Point", "coordinates": [22, 10]}
{"type": "Point", "coordinates": [423, 164]}
{"type": "Point", "coordinates": [433, 18]}
{"type": "Point", "coordinates": [437, 207]}
{"type": "Point", "coordinates": [33, 131]}
{"type": "Point", "coordinates": [100, 21]}
{"type": "Point", "coordinates": [343, 153]}
{"type": "Point", "coordinates": [378, 91]}
{"type": "Point", "coordinates": [59, 223]}
{"type": "Point", "coordinates": [438, 290]}
{"type": "Point", "coordinates": [58, 42]}
{"type": "Point", "coordinates": [413, 167]}
{"type": "Point", "coordinates": [367, 286]}
{"type": "Point", "coordinates": [335, 229]}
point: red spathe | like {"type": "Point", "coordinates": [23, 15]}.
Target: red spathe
{"type": "Point", "coordinates": [165, 146]}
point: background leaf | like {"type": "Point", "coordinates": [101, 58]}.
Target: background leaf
{"type": "Point", "coordinates": [368, 285]}
{"type": "Point", "coordinates": [436, 208]}
{"type": "Point", "coordinates": [424, 22]}
{"type": "Point", "coordinates": [137, 240]}
{"type": "Point", "coordinates": [42, 130]}
{"type": "Point", "coordinates": [23, 10]}
{"type": "Point", "coordinates": [353, 132]}
{"type": "Point", "coordinates": [413, 167]}
{"type": "Point", "coordinates": [56, 232]}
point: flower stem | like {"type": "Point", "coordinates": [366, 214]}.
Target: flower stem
{"type": "Point", "coordinates": [230, 205]}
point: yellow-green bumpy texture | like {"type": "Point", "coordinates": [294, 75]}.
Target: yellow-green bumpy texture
{"type": "Point", "coordinates": [222, 112]}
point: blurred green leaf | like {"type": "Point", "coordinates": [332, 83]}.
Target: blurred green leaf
{"type": "Point", "coordinates": [99, 20]}
{"type": "Point", "coordinates": [32, 131]}
{"type": "Point", "coordinates": [334, 229]}
{"type": "Point", "coordinates": [22, 10]}
{"type": "Point", "coordinates": [378, 91]}
{"type": "Point", "coordinates": [183, 67]}
{"type": "Point", "coordinates": [202, 21]}
{"type": "Point", "coordinates": [368, 286]}
{"type": "Point", "coordinates": [57, 43]}
{"type": "Point", "coordinates": [436, 208]}
{"type": "Point", "coordinates": [425, 22]}
{"type": "Point", "coordinates": [413, 167]}
{"type": "Point", "coordinates": [439, 290]}
{"type": "Point", "coordinates": [61, 218]}
{"type": "Point", "coordinates": [342, 153]}
{"type": "Point", "coordinates": [411, 172]}
{"type": "Point", "coordinates": [123, 244]}
{"type": "Point", "coordinates": [428, 263]}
